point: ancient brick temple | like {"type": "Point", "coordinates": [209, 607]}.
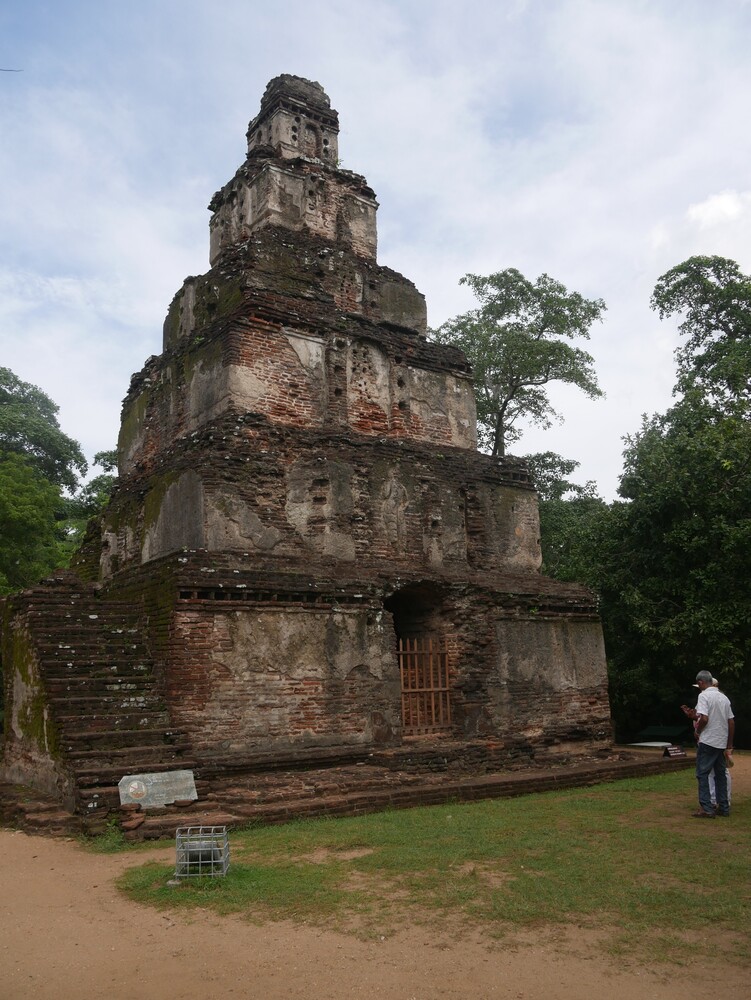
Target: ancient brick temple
{"type": "Point", "coordinates": [306, 558]}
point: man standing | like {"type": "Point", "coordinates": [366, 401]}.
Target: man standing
{"type": "Point", "coordinates": [715, 729]}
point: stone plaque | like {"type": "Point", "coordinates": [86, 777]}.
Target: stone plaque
{"type": "Point", "coordinates": [159, 789]}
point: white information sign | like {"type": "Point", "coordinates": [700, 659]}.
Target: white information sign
{"type": "Point", "coordinates": [158, 789]}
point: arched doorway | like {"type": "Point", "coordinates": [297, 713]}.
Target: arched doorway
{"type": "Point", "coordinates": [423, 652]}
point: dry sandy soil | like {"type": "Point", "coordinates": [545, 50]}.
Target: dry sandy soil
{"type": "Point", "coordinates": [66, 933]}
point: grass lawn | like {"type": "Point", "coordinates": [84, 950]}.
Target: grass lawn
{"type": "Point", "coordinates": [624, 858]}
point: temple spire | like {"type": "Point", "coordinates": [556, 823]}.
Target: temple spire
{"type": "Point", "coordinates": [296, 119]}
{"type": "Point", "coordinates": [291, 176]}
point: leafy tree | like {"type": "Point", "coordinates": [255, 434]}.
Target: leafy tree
{"type": "Point", "coordinates": [674, 574]}
{"type": "Point", "coordinates": [688, 476]}
{"type": "Point", "coordinates": [714, 297]}
{"type": "Point", "coordinates": [107, 460]}
{"type": "Point", "coordinates": [550, 473]}
{"type": "Point", "coordinates": [39, 467]}
{"type": "Point", "coordinates": [517, 343]}
{"type": "Point", "coordinates": [675, 583]}
{"type": "Point", "coordinates": [669, 560]}
{"type": "Point", "coordinates": [90, 501]}
{"type": "Point", "coordinates": [572, 519]}
{"type": "Point", "coordinates": [29, 427]}
{"type": "Point", "coordinates": [94, 495]}
{"type": "Point", "coordinates": [30, 539]}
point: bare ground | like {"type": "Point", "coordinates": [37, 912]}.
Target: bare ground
{"type": "Point", "coordinates": [66, 933]}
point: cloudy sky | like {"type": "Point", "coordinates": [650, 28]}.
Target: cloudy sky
{"type": "Point", "coordinates": [599, 141]}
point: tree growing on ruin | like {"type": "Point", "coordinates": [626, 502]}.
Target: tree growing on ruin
{"type": "Point", "coordinates": [518, 341]}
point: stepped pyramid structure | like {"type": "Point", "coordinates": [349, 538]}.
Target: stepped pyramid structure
{"type": "Point", "coordinates": [306, 560]}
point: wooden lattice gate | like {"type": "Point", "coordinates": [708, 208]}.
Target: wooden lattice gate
{"type": "Point", "coordinates": [424, 669]}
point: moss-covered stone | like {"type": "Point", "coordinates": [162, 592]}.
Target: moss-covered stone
{"type": "Point", "coordinates": [172, 320]}
{"type": "Point", "coordinates": [121, 514]}
{"type": "Point", "coordinates": [207, 355]}
{"type": "Point", "coordinates": [218, 296]}
{"type": "Point", "coordinates": [30, 715]}
{"type": "Point", "coordinates": [158, 486]}
{"type": "Point", "coordinates": [134, 414]}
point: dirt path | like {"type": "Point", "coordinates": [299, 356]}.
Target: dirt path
{"type": "Point", "coordinates": [67, 934]}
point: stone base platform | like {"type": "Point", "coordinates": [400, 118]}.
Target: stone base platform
{"type": "Point", "coordinates": [277, 796]}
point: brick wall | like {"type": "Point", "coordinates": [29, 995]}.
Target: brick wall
{"type": "Point", "coordinates": [270, 662]}
{"type": "Point", "coordinates": [278, 679]}
{"type": "Point", "coordinates": [246, 485]}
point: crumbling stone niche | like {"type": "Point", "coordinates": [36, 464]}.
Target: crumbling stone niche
{"type": "Point", "coordinates": [417, 609]}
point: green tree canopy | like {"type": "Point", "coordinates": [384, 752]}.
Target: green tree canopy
{"type": "Point", "coordinates": [30, 539]}
{"type": "Point", "coordinates": [551, 476]}
{"type": "Point", "coordinates": [686, 535]}
{"type": "Point", "coordinates": [29, 427]}
{"type": "Point", "coordinates": [669, 560]}
{"type": "Point", "coordinates": [673, 575]}
{"type": "Point", "coordinates": [714, 298]}
{"type": "Point", "coordinates": [572, 519]}
{"type": "Point", "coordinates": [39, 469]}
{"type": "Point", "coordinates": [687, 475]}
{"type": "Point", "coordinates": [517, 343]}
{"type": "Point", "coordinates": [89, 501]}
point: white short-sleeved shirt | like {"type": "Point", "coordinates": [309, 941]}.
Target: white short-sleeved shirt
{"type": "Point", "coordinates": [716, 706]}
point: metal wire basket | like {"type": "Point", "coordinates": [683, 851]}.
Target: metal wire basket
{"type": "Point", "coordinates": [201, 850]}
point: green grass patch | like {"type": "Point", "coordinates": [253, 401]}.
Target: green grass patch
{"type": "Point", "coordinates": [293, 891]}
{"type": "Point", "coordinates": [111, 841]}
{"type": "Point", "coordinates": [624, 858]}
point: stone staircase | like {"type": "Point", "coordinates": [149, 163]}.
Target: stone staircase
{"type": "Point", "coordinates": [26, 809]}
{"type": "Point", "coordinates": [102, 694]}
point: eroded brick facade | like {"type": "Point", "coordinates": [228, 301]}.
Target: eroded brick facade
{"type": "Point", "coordinates": [299, 489]}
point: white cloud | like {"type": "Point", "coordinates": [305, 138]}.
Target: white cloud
{"type": "Point", "coordinates": [719, 209]}
{"type": "Point", "coordinates": [600, 143]}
